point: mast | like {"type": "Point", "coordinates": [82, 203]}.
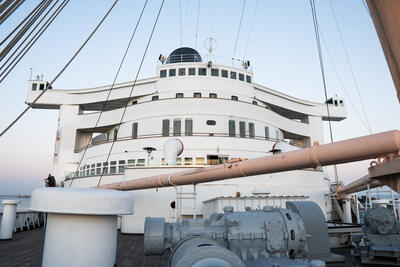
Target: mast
{"type": "Point", "coordinates": [385, 15]}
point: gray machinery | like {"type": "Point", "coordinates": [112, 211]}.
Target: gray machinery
{"type": "Point", "coordinates": [380, 241]}
{"type": "Point", "coordinates": [296, 236]}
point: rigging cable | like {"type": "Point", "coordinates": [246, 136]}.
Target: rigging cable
{"type": "Point", "coordinates": [111, 88]}
{"type": "Point", "coordinates": [250, 31]}
{"type": "Point", "coordinates": [321, 64]}
{"type": "Point", "coordinates": [350, 66]}
{"type": "Point", "coordinates": [133, 86]}
{"type": "Point", "coordinates": [340, 79]}
{"type": "Point", "coordinates": [26, 27]}
{"type": "Point", "coordinates": [10, 10]}
{"type": "Point", "coordinates": [19, 25]}
{"type": "Point", "coordinates": [366, 7]}
{"type": "Point", "coordinates": [28, 46]}
{"type": "Point", "coordinates": [59, 73]}
{"type": "Point", "coordinates": [240, 26]}
{"type": "Point", "coordinates": [4, 5]}
{"type": "Point", "coordinates": [197, 24]}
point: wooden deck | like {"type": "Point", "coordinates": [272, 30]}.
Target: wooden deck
{"type": "Point", "coordinates": [25, 249]}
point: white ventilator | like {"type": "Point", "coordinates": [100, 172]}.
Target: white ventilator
{"type": "Point", "coordinates": [172, 149]}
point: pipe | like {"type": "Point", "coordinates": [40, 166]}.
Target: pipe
{"type": "Point", "coordinates": [360, 148]}
{"type": "Point", "coordinates": [358, 185]}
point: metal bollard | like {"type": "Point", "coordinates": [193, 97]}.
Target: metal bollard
{"type": "Point", "coordinates": [81, 227]}
{"type": "Point", "coordinates": [8, 219]}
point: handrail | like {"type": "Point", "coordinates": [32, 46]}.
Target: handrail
{"type": "Point", "coordinates": [146, 136]}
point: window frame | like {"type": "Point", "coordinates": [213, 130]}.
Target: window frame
{"type": "Point", "coordinates": [180, 73]}
{"type": "Point", "coordinates": [200, 71]}
{"type": "Point", "coordinates": [171, 72]}
{"type": "Point", "coordinates": [215, 72]}
{"type": "Point", "coordinates": [163, 73]}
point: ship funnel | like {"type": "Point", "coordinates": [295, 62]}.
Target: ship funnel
{"type": "Point", "coordinates": [172, 149]}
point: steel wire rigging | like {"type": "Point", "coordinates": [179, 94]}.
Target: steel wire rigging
{"type": "Point", "coordinates": [341, 81]}
{"type": "Point", "coordinates": [250, 30]}
{"type": "Point", "coordinates": [238, 32]}
{"type": "Point", "coordinates": [350, 65]}
{"type": "Point", "coordinates": [109, 91]}
{"type": "Point", "coordinates": [133, 86]}
{"type": "Point", "coordinates": [321, 64]}
{"type": "Point", "coordinates": [61, 71]}
{"type": "Point", "coordinates": [34, 20]}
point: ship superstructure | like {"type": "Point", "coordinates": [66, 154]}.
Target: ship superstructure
{"type": "Point", "coordinates": [216, 111]}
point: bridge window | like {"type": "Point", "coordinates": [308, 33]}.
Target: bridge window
{"type": "Point", "coordinates": [182, 72]}
{"type": "Point", "coordinates": [232, 128]}
{"type": "Point", "coordinates": [131, 162]}
{"type": "Point", "coordinates": [242, 129]}
{"type": "Point", "coordinates": [266, 132]}
{"type": "Point", "coordinates": [98, 168]}
{"type": "Point", "coordinates": [248, 78]}
{"type": "Point", "coordinates": [165, 127]}
{"type": "Point", "coordinates": [199, 161]}
{"type": "Point", "coordinates": [121, 166]}
{"type": "Point", "coordinates": [251, 130]}
{"type": "Point", "coordinates": [192, 71]}
{"type": "Point", "coordinates": [241, 76]}
{"type": "Point", "coordinates": [224, 73]}
{"type": "Point", "coordinates": [105, 167]}
{"type": "Point", "coordinates": [177, 127]}
{"type": "Point", "coordinates": [202, 71]}
{"type": "Point", "coordinates": [233, 75]}
{"type": "Point", "coordinates": [214, 72]}
{"type": "Point", "coordinates": [135, 130]}
{"type": "Point", "coordinates": [172, 72]}
{"type": "Point", "coordinates": [115, 134]}
{"type": "Point", "coordinates": [188, 127]}
{"type": "Point", "coordinates": [113, 167]}
{"type": "Point", "coordinates": [34, 86]}
{"type": "Point", "coordinates": [163, 73]}
{"type": "Point", "coordinates": [140, 162]}
{"type": "Point", "coordinates": [188, 161]}
{"type": "Point", "coordinates": [41, 87]}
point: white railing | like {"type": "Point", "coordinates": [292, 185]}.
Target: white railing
{"type": "Point", "coordinates": [27, 220]}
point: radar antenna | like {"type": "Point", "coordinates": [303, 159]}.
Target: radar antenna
{"type": "Point", "coordinates": [210, 44]}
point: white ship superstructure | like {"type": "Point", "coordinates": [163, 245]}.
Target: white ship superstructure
{"type": "Point", "coordinates": [215, 110]}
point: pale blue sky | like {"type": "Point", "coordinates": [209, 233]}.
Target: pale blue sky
{"type": "Point", "coordinates": [282, 51]}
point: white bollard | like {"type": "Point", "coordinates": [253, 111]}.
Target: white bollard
{"type": "Point", "coordinates": [8, 219]}
{"type": "Point", "coordinates": [81, 228]}
{"type": "Point", "coordinates": [347, 210]}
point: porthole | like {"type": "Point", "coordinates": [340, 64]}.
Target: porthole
{"type": "Point", "coordinates": [211, 122]}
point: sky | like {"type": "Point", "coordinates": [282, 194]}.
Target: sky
{"type": "Point", "coordinates": [282, 50]}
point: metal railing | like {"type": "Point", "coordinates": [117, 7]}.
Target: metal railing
{"type": "Point", "coordinates": [205, 58]}
{"type": "Point", "coordinates": [110, 140]}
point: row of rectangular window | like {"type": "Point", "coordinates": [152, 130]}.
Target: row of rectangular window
{"type": "Point", "coordinates": [118, 167]}
{"type": "Point", "coordinates": [177, 125]}
{"type": "Point", "coordinates": [198, 95]}
{"type": "Point", "coordinates": [203, 72]}
{"type": "Point", "coordinates": [242, 130]}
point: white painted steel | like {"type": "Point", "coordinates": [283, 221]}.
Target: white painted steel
{"type": "Point", "coordinates": [347, 210]}
{"type": "Point", "coordinates": [285, 116]}
{"type": "Point", "coordinates": [172, 149]}
{"type": "Point", "coordinates": [8, 218]}
{"type": "Point", "coordinates": [81, 227]}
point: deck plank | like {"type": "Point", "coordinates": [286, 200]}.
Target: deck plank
{"type": "Point", "coordinates": [25, 249]}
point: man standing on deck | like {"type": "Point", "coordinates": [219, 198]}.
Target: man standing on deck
{"type": "Point", "coordinates": [50, 181]}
